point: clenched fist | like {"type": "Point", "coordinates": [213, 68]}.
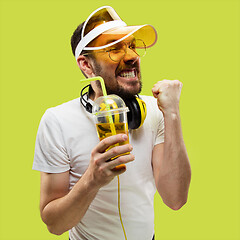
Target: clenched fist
{"type": "Point", "coordinates": [167, 93]}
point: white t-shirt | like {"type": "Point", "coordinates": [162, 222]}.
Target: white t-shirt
{"type": "Point", "coordinates": [65, 138]}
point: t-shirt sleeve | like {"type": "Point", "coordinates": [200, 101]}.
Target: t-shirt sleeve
{"type": "Point", "coordinates": [160, 129]}
{"type": "Point", "coordinates": [156, 119]}
{"type": "Point", "coordinates": [50, 152]}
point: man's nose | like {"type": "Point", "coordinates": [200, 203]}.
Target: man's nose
{"type": "Point", "coordinates": [130, 56]}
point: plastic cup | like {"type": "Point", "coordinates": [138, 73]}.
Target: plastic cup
{"type": "Point", "coordinates": [110, 115]}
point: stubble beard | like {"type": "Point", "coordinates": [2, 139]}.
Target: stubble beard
{"type": "Point", "coordinates": [116, 88]}
{"type": "Point", "coordinates": [123, 93]}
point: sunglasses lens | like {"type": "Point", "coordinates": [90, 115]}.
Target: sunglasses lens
{"type": "Point", "coordinates": [118, 51]}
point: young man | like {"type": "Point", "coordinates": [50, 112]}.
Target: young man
{"type": "Point", "coordinates": [79, 187]}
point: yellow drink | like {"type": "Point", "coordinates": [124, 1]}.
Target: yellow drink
{"type": "Point", "coordinates": [104, 130]}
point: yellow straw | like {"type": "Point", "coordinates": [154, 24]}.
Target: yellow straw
{"type": "Point", "coordinates": [112, 127]}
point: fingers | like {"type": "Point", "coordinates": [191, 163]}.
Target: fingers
{"type": "Point", "coordinates": [156, 89]}
{"type": "Point", "coordinates": [160, 86]}
{"type": "Point", "coordinates": [168, 94]}
{"type": "Point", "coordinates": [102, 168]}
{"type": "Point", "coordinates": [119, 162]}
{"type": "Point", "coordinates": [107, 142]}
{"type": "Point", "coordinates": [112, 153]}
{"type": "Point", "coordinates": [100, 155]}
{"type": "Point", "coordinates": [118, 150]}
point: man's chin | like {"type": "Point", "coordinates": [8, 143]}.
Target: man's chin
{"type": "Point", "coordinates": [127, 91]}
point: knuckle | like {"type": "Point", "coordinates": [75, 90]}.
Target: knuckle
{"type": "Point", "coordinates": [177, 82]}
{"type": "Point", "coordinates": [105, 141]}
{"type": "Point", "coordinates": [92, 154]}
{"type": "Point", "coordinates": [121, 159]}
{"type": "Point", "coordinates": [108, 174]}
{"type": "Point", "coordinates": [97, 161]}
{"type": "Point", "coordinates": [101, 170]}
{"type": "Point", "coordinates": [167, 82]}
{"type": "Point", "coordinates": [114, 151]}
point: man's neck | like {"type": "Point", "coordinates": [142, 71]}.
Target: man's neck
{"type": "Point", "coordinates": [95, 90]}
{"type": "Point", "coordinates": [94, 95]}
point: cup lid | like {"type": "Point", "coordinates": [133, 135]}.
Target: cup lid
{"type": "Point", "coordinates": [109, 104]}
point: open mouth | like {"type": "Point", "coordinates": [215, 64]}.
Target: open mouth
{"type": "Point", "coordinates": [128, 73]}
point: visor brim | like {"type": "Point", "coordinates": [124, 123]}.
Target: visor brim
{"type": "Point", "coordinates": [146, 33]}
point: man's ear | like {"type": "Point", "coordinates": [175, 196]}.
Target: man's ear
{"type": "Point", "coordinates": [85, 65]}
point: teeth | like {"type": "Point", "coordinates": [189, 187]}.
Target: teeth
{"type": "Point", "coordinates": [128, 74]}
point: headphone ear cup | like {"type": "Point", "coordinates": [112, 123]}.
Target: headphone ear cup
{"type": "Point", "coordinates": [137, 112]}
{"type": "Point", "coordinates": [143, 109]}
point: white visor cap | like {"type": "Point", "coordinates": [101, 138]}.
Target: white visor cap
{"type": "Point", "coordinates": [105, 20]}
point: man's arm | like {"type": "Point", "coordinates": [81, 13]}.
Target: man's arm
{"type": "Point", "coordinates": [62, 209]}
{"type": "Point", "coordinates": [171, 165]}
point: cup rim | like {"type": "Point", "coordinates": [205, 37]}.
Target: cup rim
{"type": "Point", "coordinates": [111, 111]}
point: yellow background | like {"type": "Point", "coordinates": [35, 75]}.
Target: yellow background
{"type": "Point", "coordinates": [198, 44]}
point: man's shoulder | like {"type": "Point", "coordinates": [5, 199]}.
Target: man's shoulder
{"type": "Point", "coordinates": [149, 100]}
{"type": "Point", "coordinates": [65, 107]}
{"type": "Point", "coordinates": [152, 107]}
{"type": "Point", "coordinates": [146, 97]}
{"type": "Point", "coordinates": [65, 111]}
